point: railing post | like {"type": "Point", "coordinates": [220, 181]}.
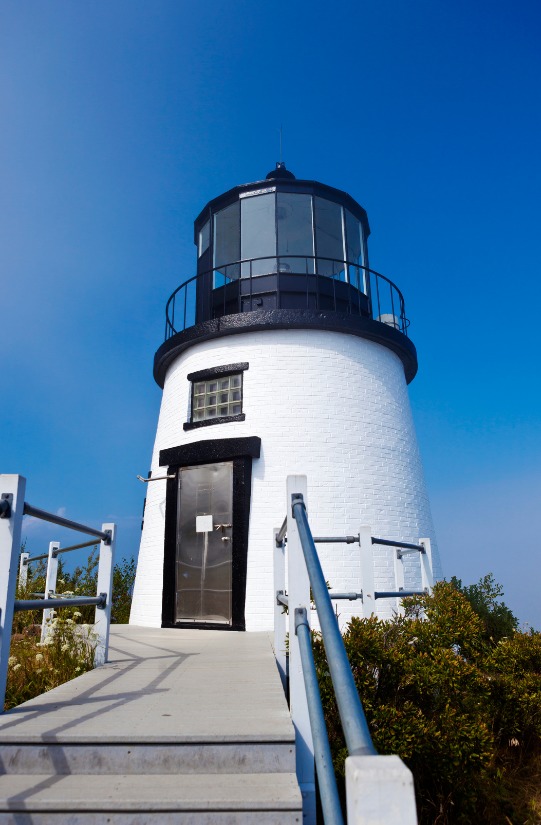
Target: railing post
{"type": "Point", "coordinates": [299, 596]}
{"type": "Point", "coordinates": [367, 570]}
{"type": "Point", "coordinates": [398, 574]}
{"type": "Point", "coordinates": [50, 584]}
{"type": "Point", "coordinates": [12, 490]}
{"type": "Point", "coordinates": [427, 573]}
{"type": "Point", "coordinates": [23, 569]}
{"type": "Point", "coordinates": [280, 615]}
{"type": "Point", "coordinates": [105, 585]}
{"type": "Point", "coordinates": [379, 789]}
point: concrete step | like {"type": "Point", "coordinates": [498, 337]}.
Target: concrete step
{"type": "Point", "coordinates": [156, 758]}
{"type": "Point", "coordinates": [158, 798]}
{"type": "Point", "coordinates": [178, 728]}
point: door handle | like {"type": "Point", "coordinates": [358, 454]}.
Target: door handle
{"type": "Point", "coordinates": [226, 538]}
{"type": "Point", "coordinates": [222, 526]}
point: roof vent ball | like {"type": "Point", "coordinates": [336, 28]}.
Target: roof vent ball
{"type": "Point", "coordinates": [280, 172]}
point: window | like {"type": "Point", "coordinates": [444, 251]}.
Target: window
{"type": "Point", "coordinates": [354, 251]}
{"type": "Point", "coordinates": [227, 243]}
{"type": "Point", "coordinates": [216, 395]}
{"type": "Point", "coordinates": [295, 232]}
{"type": "Point", "coordinates": [258, 234]}
{"type": "Point", "coordinates": [329, 238]}
{"type": "Point", "coordinates": [217, 398]}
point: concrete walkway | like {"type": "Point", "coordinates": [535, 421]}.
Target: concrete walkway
{"type": "Point", "coordinates": [180, 726]}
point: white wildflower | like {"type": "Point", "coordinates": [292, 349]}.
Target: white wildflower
{"type": "Point", "coordinates": [16, 667]}
{"type": "Point", "coordinates": [12, 660]}
{"type": "Point", "coordinates": [39, 657]}
{"type": "Point", "coordinates": [77, 615]}
{"type": "Point", "coordinates": [65, 648]}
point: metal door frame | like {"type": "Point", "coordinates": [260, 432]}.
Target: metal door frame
{"type": "Point", "coordinates": [241, 452]}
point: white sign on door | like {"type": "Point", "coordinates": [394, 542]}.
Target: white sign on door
{"type": "Point", "coordinates": [203, 524]}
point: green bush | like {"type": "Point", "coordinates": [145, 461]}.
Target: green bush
{"type": "Point", "coordinates": [461, 708]}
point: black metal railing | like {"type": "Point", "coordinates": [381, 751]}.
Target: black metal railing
{"type": "Point", "coordinates": [285, 282]}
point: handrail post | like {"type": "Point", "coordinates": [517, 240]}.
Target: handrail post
{"type": "Point", "coordinates": [50, 585]}
{"type": "Point", "coordinates": [366, 560]}
{"type": "Point", "coordinates": [399, 577]}
{"type": "Point", "coordinates": [12, 490]}
{"type": "Point", "coordinates": [299, 596]}
{"type": "Point", "coordinates": [105, 585]}
{"type": "Point", "coordinates": [280, 615]}
{"type": "Point", "coordinates": [23, 569]}
{"type": "Point", "coordinates": [427, 572]}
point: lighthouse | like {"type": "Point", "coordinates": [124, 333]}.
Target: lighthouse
{"type": "Point", "coordinates": [284, 354]}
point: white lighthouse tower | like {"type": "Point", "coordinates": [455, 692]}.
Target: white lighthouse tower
{"type": "Point", "coordinates": [284, 354]}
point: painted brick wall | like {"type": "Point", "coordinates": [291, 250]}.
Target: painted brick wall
{"type": "Point", "coordinates": [330, 406]}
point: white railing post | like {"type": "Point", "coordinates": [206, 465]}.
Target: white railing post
{"type": "Point", "coordinates": [427, 573]}
{"type": "Point", "coordinates": [50, 584]}
{"type": "Point", "coordinates": [23, 569]}
{"type": "Point", "coordinates": [298, 585]}
{"type": "Point", "coordinates": [105, 585]}
{"type": "Point", "coordinates": [379, 789]}
{"type": "Point", "coordinates": [398, 575]}
{"type": "Point", "coordinates": [367, 570]}
{"type": "Point", "coordinates": [280, 614]}
{"type": "Point", "coordinates": [12, 490]}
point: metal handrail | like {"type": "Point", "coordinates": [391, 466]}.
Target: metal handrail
{"type": "Point", "coordinates": [395, 543]}
{"type": "Point", "coordinates": [336, 539]}
{"type": "Point", "coordinates": [44, 604]}
{"type": "Point", "coordinates": [356, 732]}
{"type": "Point", "coordinates": [64, 522]}
{"type": "Point", "coordinates": [59, 550]}
{"type": "Point", "coordinates": [373, 295]}
{"type": "Point", "coordinates": [397, 594]}
{"type": "Point", "coordinates": [330, 801]}
{"type": "Point", "coordinates": [282, 598]}
{"type": "Point", "coordinates": [73, 547]}
{"type": "Point", "coordinates": [281, 534]}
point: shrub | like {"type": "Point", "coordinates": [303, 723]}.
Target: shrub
{"type": "Point", "coordinates": [461, 709]}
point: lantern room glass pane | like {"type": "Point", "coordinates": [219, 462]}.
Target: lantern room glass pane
{"type": "Point", "coordinates": [329, 238]}
{"type": "Point", "coordinates": [295, 232]}
{"type": "Point", "coordinates": [227, 244]}
{"type": "Point", "coordinates": [354, 250]}
{"type": "Point", "coordinates": [258, 236]}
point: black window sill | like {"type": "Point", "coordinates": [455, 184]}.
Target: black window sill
{"type": "Point", "coordinates": [224, 419]}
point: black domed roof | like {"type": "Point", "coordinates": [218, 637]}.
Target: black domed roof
{"type": "Point", "coordinates": [280, 172]}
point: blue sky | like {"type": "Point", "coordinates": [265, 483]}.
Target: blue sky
{"type": "Point", "coordinates": [120, 120]}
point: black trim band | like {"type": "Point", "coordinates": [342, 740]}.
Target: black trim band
{"type": "Point", "coordinates": [223, 419]}
{"type": "Point", "coordinates": [213, 372]}
{"type": "Point", "coordinates": [207, 452]}
{"type": "Point", "coordinates": [260, 320]}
